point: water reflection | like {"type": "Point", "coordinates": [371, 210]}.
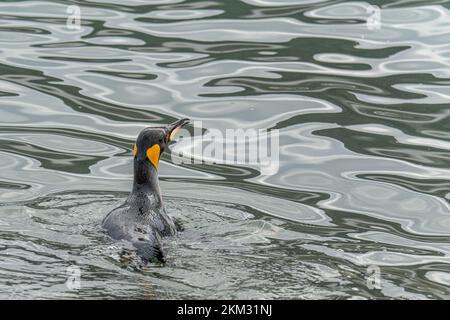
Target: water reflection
{"type": "Point", "coordinates": [364, 146]}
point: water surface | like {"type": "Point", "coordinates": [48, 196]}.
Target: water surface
{"type": "Point", "coordinates": [362, 111]}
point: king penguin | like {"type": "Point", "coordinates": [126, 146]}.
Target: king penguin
{"type": "Point", "coordinates": [142, 219]}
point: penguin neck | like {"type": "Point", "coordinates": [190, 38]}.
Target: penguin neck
{"type": "Point", "coordinates": [146, 184]}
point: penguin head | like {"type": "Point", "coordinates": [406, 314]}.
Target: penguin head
{"type": "Point", "coordinates": [151, 142]}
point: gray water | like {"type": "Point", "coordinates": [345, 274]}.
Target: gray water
{"type": "Point", "coordinates": [363, 116]}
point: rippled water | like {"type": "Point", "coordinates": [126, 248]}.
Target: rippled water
{"type": "Point", "coordinates": [363, 115]}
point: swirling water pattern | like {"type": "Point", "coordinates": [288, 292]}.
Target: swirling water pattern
{"type": "Point", "coordinates": [363, 115]}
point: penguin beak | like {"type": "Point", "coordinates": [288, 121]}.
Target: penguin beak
{"type": "Point", "coordinates": [173, 128]}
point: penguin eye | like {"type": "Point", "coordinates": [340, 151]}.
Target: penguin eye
{"type": "Point", "coordinates": [135, 150]}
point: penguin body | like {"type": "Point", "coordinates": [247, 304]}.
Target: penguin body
{"type": "Point", "coordinates": [142, 219]}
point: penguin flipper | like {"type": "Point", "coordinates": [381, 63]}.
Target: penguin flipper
{"type": "Point", "coordinates": [149, 251]}
{"type": "Point", "coordinates": [178, 225]}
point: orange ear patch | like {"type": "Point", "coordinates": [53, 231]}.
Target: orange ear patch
{"type": "Point", "coordinates": [135, 150]}
{"type": "Point", "coordinates": [153, 155]}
